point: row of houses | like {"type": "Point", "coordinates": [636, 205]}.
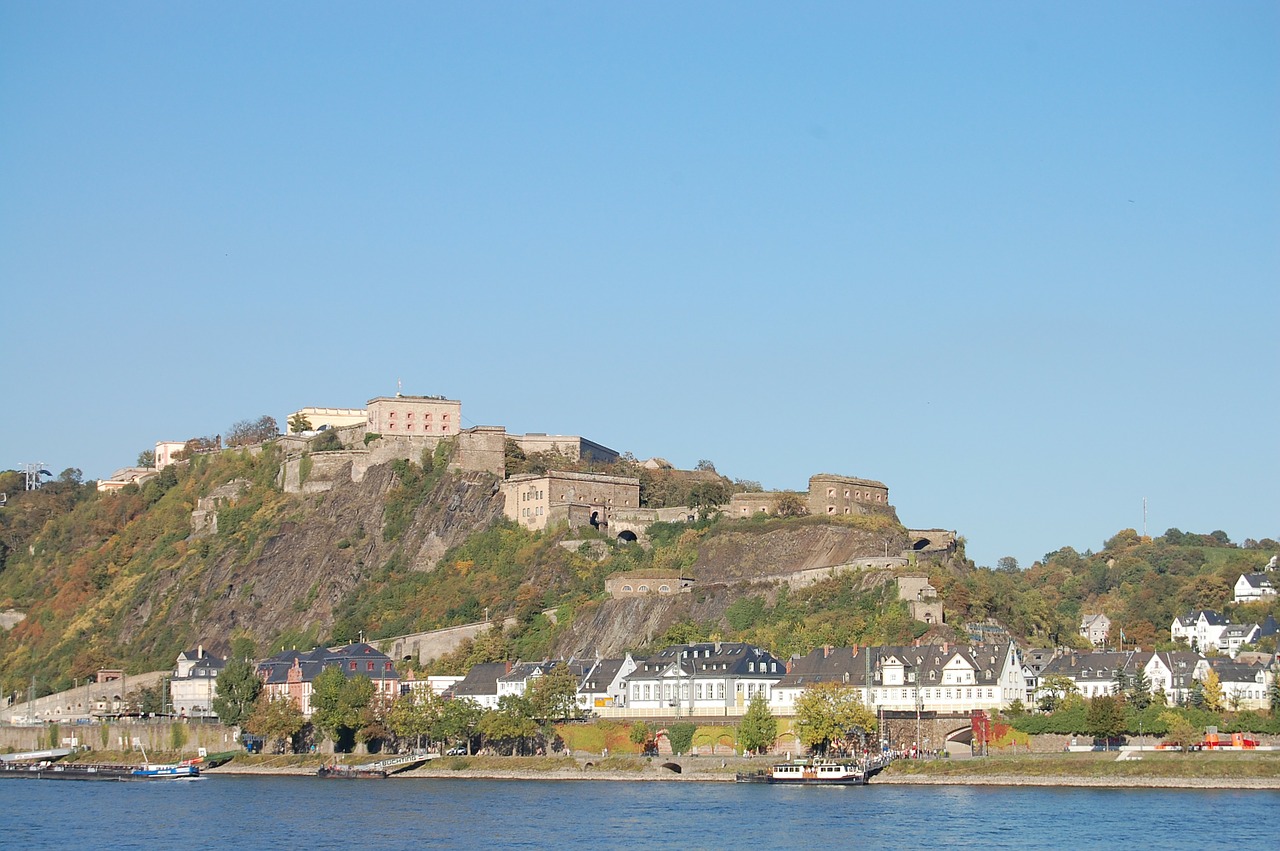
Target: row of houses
{"type": "Point", "coordinates": [721, 678]}
{"type": "Point", "coordinates": [1173, 673]}
{"type": "Point", "coordinates": [1207, 631]}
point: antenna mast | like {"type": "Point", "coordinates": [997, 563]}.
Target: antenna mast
{"type": "Point", "coordinates": [1144, 517]}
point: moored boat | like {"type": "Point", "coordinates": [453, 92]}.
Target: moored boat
{"type": "Point", "coordinates": [350, 772]}
{"type": "Point", "coordinates": [817, 772]}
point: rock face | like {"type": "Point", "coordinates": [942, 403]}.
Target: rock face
{"type": "Point", "coordinates": [735, 562]}
{"type": "Point", "coordinates": [745, 554]}
{"type": "Point", "coordinates": [296, 578]}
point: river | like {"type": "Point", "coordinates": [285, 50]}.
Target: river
{"type": "Point", "coordinates": [305, 813]}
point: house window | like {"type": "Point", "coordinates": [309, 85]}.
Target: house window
{"type": "Point", "coordinates": [409, 415]}
{"type": "Point", "coordinates": [353, 666]}
{"type": "Point", "coordinates": [626, 587]}
{"type": "Point", "coordinates": [370, 668]}
{"type": "Point", "coordinates": [644, 589]}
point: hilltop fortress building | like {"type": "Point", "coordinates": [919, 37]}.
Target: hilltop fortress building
{"type": "Point", "coordinates": [828, 494]}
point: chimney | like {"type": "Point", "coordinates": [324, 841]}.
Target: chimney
{"type": "Point", "coordinates": [199, 651]}
{"type": "Point", "coordinates": [945, 646]}
{"type": "Point", "coordinates": [826, 651]}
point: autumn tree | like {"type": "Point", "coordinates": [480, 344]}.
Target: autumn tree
{"type": "Point", "coordinates": [1181, 731]}
{"type": "Point", "coordinates": [640, 734]}
{"type": "Point", "coordinates": [413, 716]}
{"type": "Point", "coordinates": [554, 695]}
{"type": "Point", "coordinates": [509, 727]}
{"type": "Point", "coordinates": [1213, 691]}
{"type": "Point", "coordinates": [277, 719]}
{"type": "Point", "coordinates": [759, 728]}
{"type": "Point", "coordinates": [246, 432]}
{"type": "Point", "coordinates": [832, 714]}
{"type": "Point", "coordinates": [790, 504]}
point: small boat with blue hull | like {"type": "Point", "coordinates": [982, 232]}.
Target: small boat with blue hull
{"type": "Point", "coordinates": [45, 770]}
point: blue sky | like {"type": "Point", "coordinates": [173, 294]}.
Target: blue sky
{"type": "Point", "coordinates": [1018, 261]}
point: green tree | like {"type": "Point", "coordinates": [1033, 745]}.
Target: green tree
{"type": "Point", "coordinates": [337, 705]}
{"type": "Point", "coordinates": [1105, 718]}
{"type": "Point", "coordinates": [1140, 690]}
{"type": "Point", "coordinates": [759, 728]}
{"type": "Point", "coordinates": [1053, 690]}
{"type": "Point", "coordinates": [237, 690]}
{"type": "Point", "coordinates": [680, 735]}
{"type": "Point", "coordinates": [458, 721]}
{"type": "Point", "coordinates": [832, 714]}
{"type": "Point", "coordinates": [299, 423]}
{"type": "Point", "coordinates": [147, 458]}
{"type": "Point", "coordinates": [277, 719]}
{"type": "Point", "coordinates": [1119, 681]}
{"type": "Point", "coordinates": [640, 734]}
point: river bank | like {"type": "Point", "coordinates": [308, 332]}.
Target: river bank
{"type": "Point", "coordinates": [1155, 771]}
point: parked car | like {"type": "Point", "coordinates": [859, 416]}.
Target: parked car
{"type": "Point", "coordinates": [456, 751]}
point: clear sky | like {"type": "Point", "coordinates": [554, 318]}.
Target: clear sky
{"type": "Point", "coordinates": [1019, 261]}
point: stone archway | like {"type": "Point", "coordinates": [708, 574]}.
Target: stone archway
{"type": "Point", "coordinates": [627, 536]}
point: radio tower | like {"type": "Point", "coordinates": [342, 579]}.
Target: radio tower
{"type": "Point", "coordinates": [31, 474]}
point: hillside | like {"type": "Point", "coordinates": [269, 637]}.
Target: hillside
{"type": "Point", "coordinates": [126, 579]}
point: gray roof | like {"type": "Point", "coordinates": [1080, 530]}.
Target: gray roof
{"type": "Point", "coordinates": [482, 679]}
{"type": "Point", "coordinates": [1098, 665]}
{"type": "Point", "coordinates": [731, 659]}
{"type": "Point", "coordinates": [354, 660]}
{"type": "Point", "coordinates": [855, 666]}
{"type": "Point", "coordinates": [601, 675]}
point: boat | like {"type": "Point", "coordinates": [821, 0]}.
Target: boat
{"type": "Point", "coordinates": [45, 770]}
{"type": "Point", "coordinates": [165, 772]}
{"type": "Point", "coordinates": [815, 772]}
{"type": "Point", "coordinates": [350, 772]}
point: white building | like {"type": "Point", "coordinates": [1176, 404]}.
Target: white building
{"type": "Point", "coordinates": [702, 679]}
{"type": "Point", "coordinates": [1252, 587]}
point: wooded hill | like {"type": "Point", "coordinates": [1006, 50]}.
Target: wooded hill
{"type": "Point", "coordinates": [119, 580]}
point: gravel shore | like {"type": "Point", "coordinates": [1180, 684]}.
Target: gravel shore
{"type": "Point", "coordinates": [655, 773]}
{"type": "Point", "coordinates": [1100, 782]}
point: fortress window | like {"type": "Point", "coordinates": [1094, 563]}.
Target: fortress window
{"type": "Point", "coordinates": [409, 415]}
{"type": "Point", "coordinates": [626, 587]}
{"type": "Point", "coordinates": [846, 493]}
{"type": "Point", "coordinates": [831, 509]}
{"type": "Point", "coordinates": [831, 492]}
